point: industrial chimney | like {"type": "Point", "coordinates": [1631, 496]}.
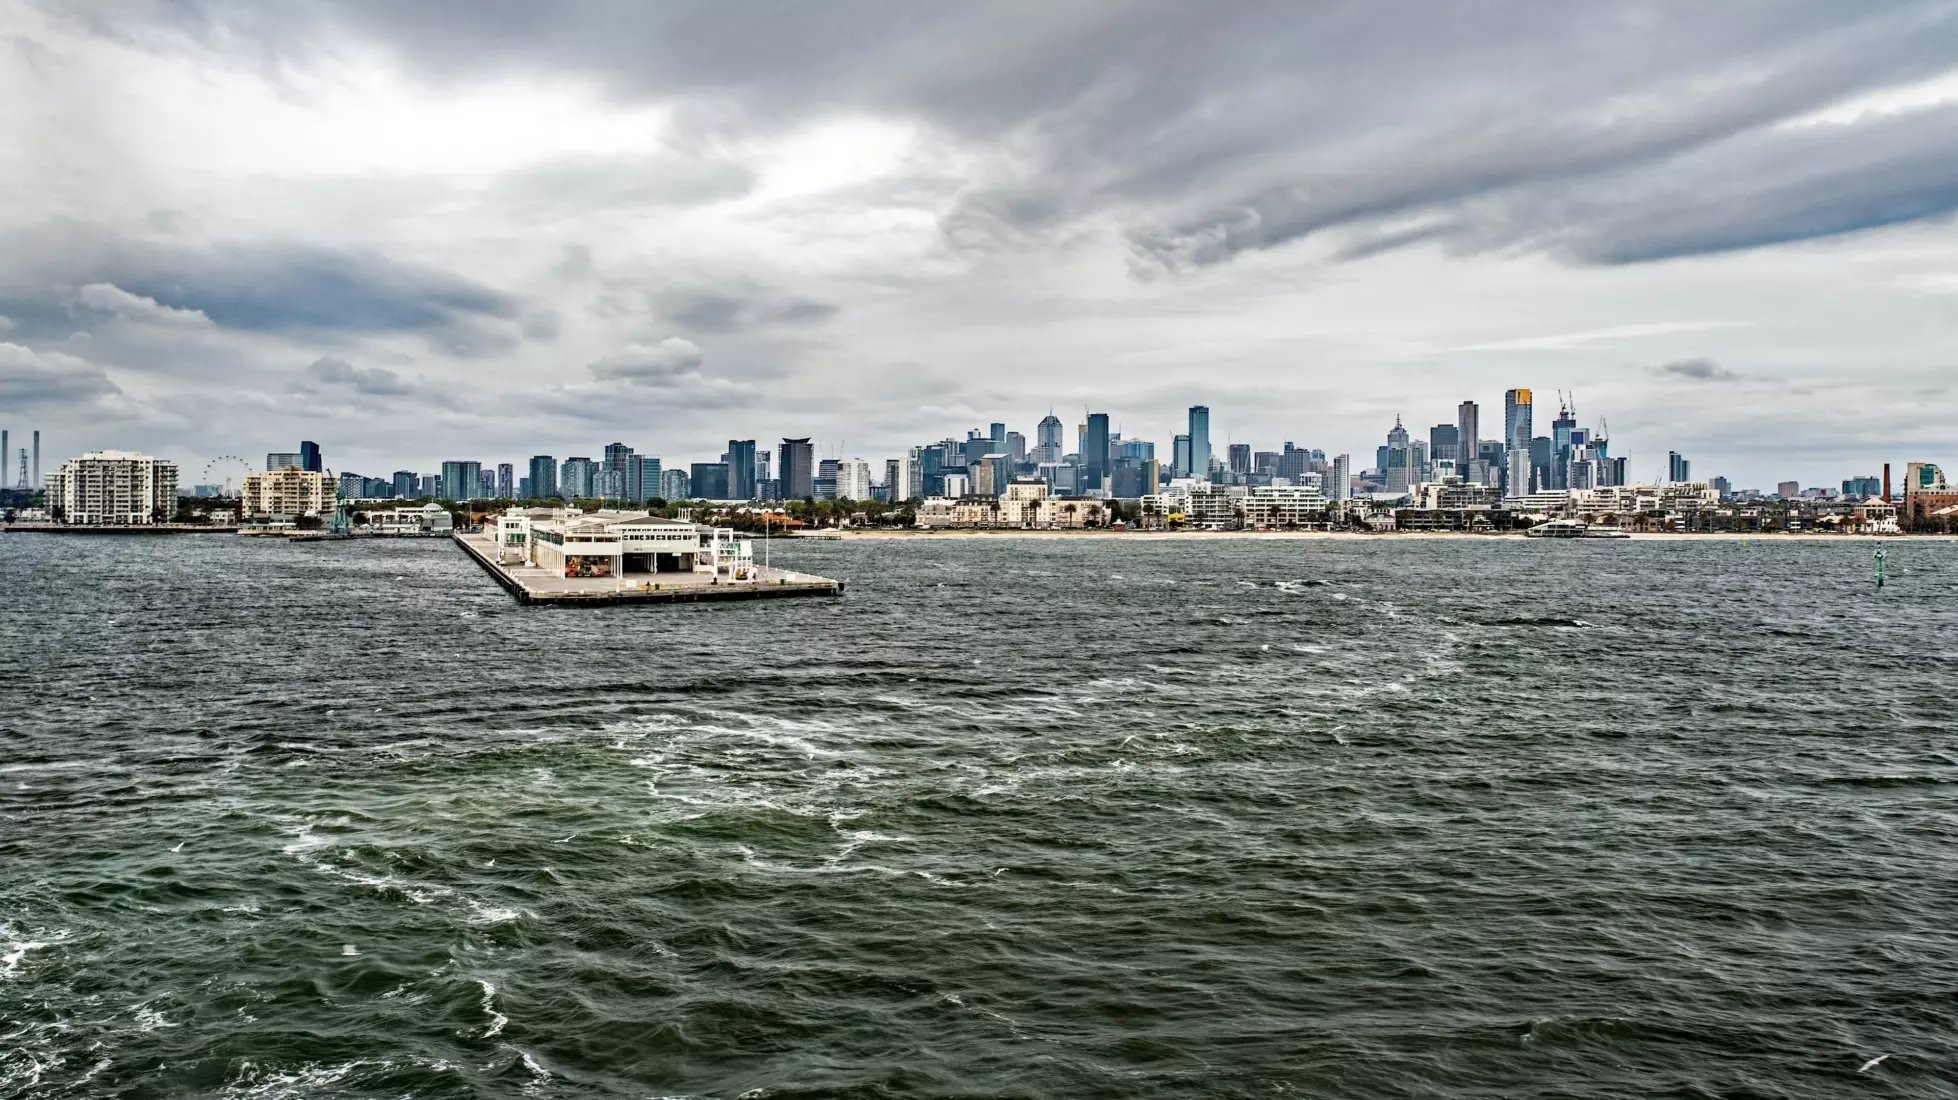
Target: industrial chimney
{"type": "Point", "coordinates": [1886, 483]}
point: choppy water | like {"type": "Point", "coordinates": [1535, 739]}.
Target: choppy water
{"type": "Point", "coordinates": [1014, 818]}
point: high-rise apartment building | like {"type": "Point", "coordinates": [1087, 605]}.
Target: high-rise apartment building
{"type": "Point", "coordinates": [113, 488]}
{"type": "Point", "coordinates": [620, 480]}
{"type": "Point", "coordinates": [1342, 478]}
{"type": "Point", "coordinates": [543, 477]}
{"type": "Point", "coordinates": [1240, 458]}
{"type": "Point", "coordinates": [675, 485]}
{"type": "Point", "coordinates": [1560, 448]}
{"type": "Point", "coordinates": [578, 478]}
{"type": "Point", "coordinates": [506, 481]}
{"type": "Point", "coordinates": [292, 491]}
{"type": "Point", "coordinates": [797, 467]}
{"type": "Point", "coordinates": [1444, 443]}
{"type": "Point", "coordinates": [1200, 452]}
{"type": "Point", "coordinates": [1678, 469]}
{"type": "Point", "coordinates": [1179, 460]}
{"type": "Point", "coordinates": [853, 479]}
{"type": "Point", "coordinates": [406, 485]}
{"type": "Point", "coordinates": [462, 480]}
{"type": "Point", "coordinates": [741, 473]}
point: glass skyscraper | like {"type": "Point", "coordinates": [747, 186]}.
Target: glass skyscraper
{"type": "Point", "coordinates": [1094, 453]}
{"type": "Point", "coordinates": [740, 469]}
{"type": "Point", "coordinates": [543, 476]}
{"type": "Point", "coordinates": [1199, 441]}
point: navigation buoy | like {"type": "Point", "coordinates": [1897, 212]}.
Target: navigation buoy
{"type": "Point", "coordinates": [1879, 569]}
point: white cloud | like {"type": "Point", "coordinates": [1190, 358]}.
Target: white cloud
{"type": "Point", "coordinates": [109, 298]}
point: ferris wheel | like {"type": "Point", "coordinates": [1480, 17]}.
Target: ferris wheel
{"type": "Point", "coordinates": [227, 471]}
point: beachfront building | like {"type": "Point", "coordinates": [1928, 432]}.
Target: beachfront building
{"type": "Point", "coordinates": [289, 491]}
{"type": "Point", "coordinates": [113, 488]}
{"type": "Point", "coordinates": [1282, 507]}
{"type": "Point", "coordinates": [620, 544]}
{"type": "Point", "coordinates": [1028, 505]}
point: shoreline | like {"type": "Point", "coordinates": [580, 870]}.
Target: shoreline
{"type": "Point", "coordinates": [848, 535]}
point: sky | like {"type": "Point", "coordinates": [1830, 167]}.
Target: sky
{"type": "Point", "coordinates": [486, 229]}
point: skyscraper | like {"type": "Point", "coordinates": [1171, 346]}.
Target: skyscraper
{"type": "Point", "coordinates": [1678, 469]}
{"type": "Point", "coordinates": [1094, 453]}
{"type": "Point", "coordinates": [797, 469]}
{"type": "Point", "coordinates": [406, 485]}
{"type": "Point", "coordinates": [1517, 427]}
{"type": "Point", "coordinates": [1179, 461]}
{"type": "Point", "coordinates": [1200, 441]}
{"type": "Point", "coordinates": [1399, 460]}
{"type": "Point", "coordinates": [1342, 486]}
{"type": "Point", "coordinates": [649, 474]}
{"type": "Point", "coordinates": [1047, 444]}
{"type": "Point", "coordinates": [506, 476]}
{"type": "Point", "coordinates": [741, 469]}
{"type": "Point", "coordinates": [578, 478]}
{"type": "Point", "coordinates": [709, 480]}
{"type": "Point", "coordinates": [1240, 459]}
{"type": "Point", "coordinates": [543, 476]}
{"type": "Point", "coordinates": [1444, 443]}
{"type": "Point", "coordinates": [309, 457]}
{"type": "Point", "coordinates": [621, 473]}
{"type": "Point", "coordinates": [462, 480]}
{"type": "Point", "coordinates": [1468, 417]}
{"type": "Point", "coordinates": [853, 479]}
{"type": "Point", "coordinates": [1560, 447]}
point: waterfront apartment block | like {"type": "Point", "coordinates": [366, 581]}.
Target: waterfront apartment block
{"type": "Point", "coordinates": [289, 491]}
{"type": "Point", "coordinates": [1027, 505]}
{"type": "Point", "coordinates": [113, 488]}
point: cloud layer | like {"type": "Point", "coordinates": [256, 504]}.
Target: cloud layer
{"type": "Point", "coordinates": [463, 230]}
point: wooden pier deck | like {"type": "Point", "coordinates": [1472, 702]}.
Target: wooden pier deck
{"type": "Point", "coordinates": [545, 588]}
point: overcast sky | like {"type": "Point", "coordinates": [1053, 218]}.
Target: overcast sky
{"type": "Point", "coordinates": [491, 228]}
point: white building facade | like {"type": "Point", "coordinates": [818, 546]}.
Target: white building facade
{"type": "Point", "coordinates": [113, 488]}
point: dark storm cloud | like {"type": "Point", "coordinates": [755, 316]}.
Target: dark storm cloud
{"type": "Point", "coordinates": [273, 286]}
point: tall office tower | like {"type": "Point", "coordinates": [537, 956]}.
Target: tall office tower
{"type": "Point", "coordinates": [893, 480]}
{"type": "Point", "coordinates": [1543, 462]}
{"type": "Point", "coordinates": [1517, 428]}
{"type": "Point", "coordinates": [1516, 472]}
{"type": "Point", "coordinates": [621, 473]}
{"type": "Point", "coordinates": [429, 485]}
{"type": "Point", "coordinates": [996, 432]}
{"type": "Point", "coordinates": [649, 475]}
{"type": "Point", "coordinates": [1292, 463]}
{"type": "Point", "coordinates": [1342, 486]}
{"type": "Point", "coordinates": [1047, 440]}
{"type": "Point", "coordinates": [506, 481]}
{"type": "Point", "coordinates": [1016, 447]}
{"type": "Point", "coordinates": [1560, 446]}
{"type": "Point", "coordinates": [824, 486]}
{"type": "Point", "coordinates": [761, 470]}
{"type": "Point", "coordinates": [797, 469]}
{"type": "Point", "coordinates": [405, 484]}
{"type": "Point", "coordinates": [709, 480]}
{"type": "Point", "coordinates": [1179, 461]}
{"type": "Point", "coordinates": [1094, 454]}
{"type": "Point", "coordinates": [543, 476]}
{"type": "Point", "coordinates": [1399, 460]}
{"type": "Point", "coordinates": [1444, 443]}
{"type": "Point", "coordinates": [1678, 470]}
{"type": "Point", "coordinates": [741, 469]}
{"type": "Point", "coordinates": [461, 480]}
{"type": "Point", "coordinates": [578, 478]}
{"type": "Point", "coordinates": [1200, 452]}
{"type": "Point", "coordinates": [309, 457]}
{"type": "Point", "coordinates": [1468, 422]}
{"type": "Point", "coordinates": [1240, 454]}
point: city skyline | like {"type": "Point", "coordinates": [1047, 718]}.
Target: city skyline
{"type": "Point", "coordinates": [1728, 228]}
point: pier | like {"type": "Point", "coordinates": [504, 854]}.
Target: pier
{"type": "Point", "coordinates": [535, 585]}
